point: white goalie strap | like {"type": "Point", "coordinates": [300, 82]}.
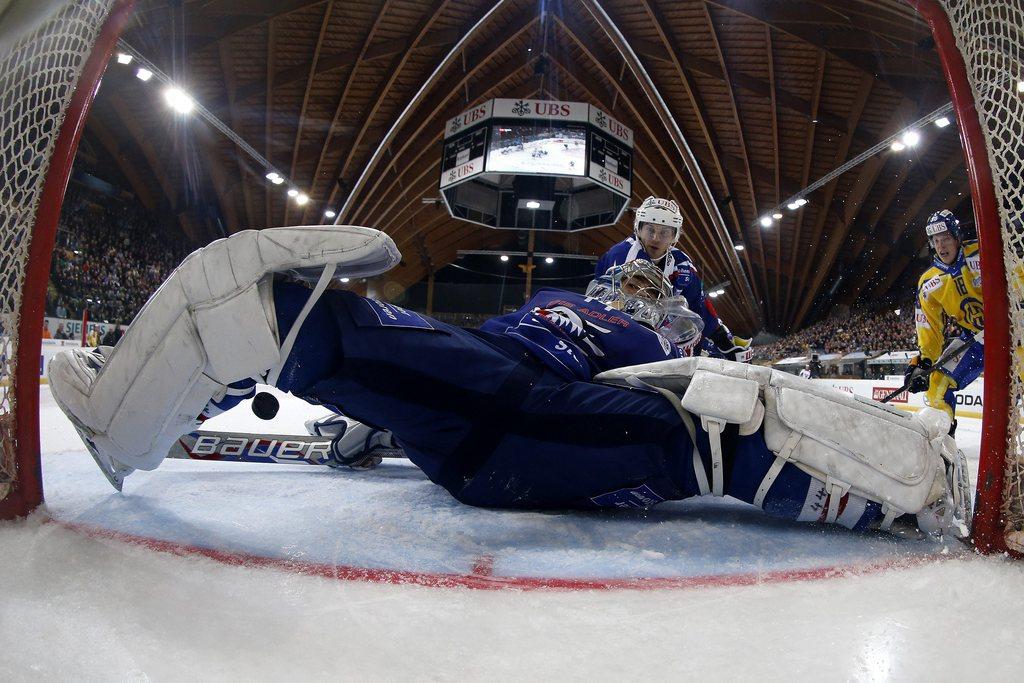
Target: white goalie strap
{"type": "Point", "coordinates": [286, 348]}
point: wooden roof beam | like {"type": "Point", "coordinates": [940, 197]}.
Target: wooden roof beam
{"type": "Point", "coordinates": [380, 94]}
{"type": "Point", "coordinates": [427, 113]}
{"type": "Point", "coordinates": [340, 106]}
{"type": "Point", "coordinates": [742, 226]}
{"type": "Point", "coordinates": [808, 153]}
{"type": "Point", "coordinates": [807, 296]}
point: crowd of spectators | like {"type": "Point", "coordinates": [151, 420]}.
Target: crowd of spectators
{"type": "Point", "coordinates": [109, 257]}
{"type": "Point", "coordinates": [869, 331]}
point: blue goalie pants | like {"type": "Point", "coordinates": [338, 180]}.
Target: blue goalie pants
{"type": "Point", "coordinates": [486, 421]}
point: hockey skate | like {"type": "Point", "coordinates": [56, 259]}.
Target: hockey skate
{"type": "Point", "coordinates": [211, 323]}
{"type": "Point", "coordinates": [87, 364]}
{"type": "Point", "coordinates": [951, 514]}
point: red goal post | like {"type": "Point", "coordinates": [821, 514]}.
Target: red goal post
{"type": "Point", "coordinates": [52, 55]}
{"type": "Point", "coordinates": [981, 44]}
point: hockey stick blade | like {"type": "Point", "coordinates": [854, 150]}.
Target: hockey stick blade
{"type": "Point", "coordinates": [259, 448]}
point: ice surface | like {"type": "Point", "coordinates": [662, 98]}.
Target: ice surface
{"type": "Point", "coordinates": [89, 606]}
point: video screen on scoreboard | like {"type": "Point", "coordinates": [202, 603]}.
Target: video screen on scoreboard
{"type": "Point", "coordinates": [556, 150]}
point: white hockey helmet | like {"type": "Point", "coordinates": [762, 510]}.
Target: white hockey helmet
{"type": "Point", "coordinates": [636, 288]}
{"type": "Point", "coordinates": [659, 211]}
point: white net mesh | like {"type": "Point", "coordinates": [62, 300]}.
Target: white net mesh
{"type": "Point", "coordinates": [43, 48]}
{"type": "Point", "coordinates": [990, 37]}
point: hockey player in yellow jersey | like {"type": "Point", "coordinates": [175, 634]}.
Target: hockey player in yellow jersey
{"type": "Point", "coordinates": [951, 287]}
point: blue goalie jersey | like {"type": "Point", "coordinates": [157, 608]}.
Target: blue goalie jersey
{"type": "Point", "coordinates": [578, 337]}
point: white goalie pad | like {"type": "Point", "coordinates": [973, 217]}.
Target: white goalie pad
{"type": "Point", "coordinates": [212, 322]}
{"type": "Point", "coordinates": [850, 443]}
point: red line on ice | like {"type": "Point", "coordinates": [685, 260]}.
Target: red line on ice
{"type": "Point", "coordinates": [481, 576]}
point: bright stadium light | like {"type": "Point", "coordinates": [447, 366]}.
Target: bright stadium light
{"type": "Point", "coordinates": [911, 138]}
{"type": "Point", "coordinates": [738, 247]}
{"type": "Point", "coordinates": [532, 204]}
{"type": "Point", "coordinates": [504, 258]}
{"type": "Point", "coordinates": [793, 206]}
{"type": "Point", "coordinates": [713, 295]}
{"type": "Point", "coordinates": [344, 279]}
{"type": "Point", "coordinates": [548, 259]}
{"type": "Point", "coordinates": [301, 199]}
{"type": "Point", "coordinates": [329, 214]}
{"type": "Point", "coordinates": [179, 100]}
{"type": "Point", "coordinates": [898, 146]}
{"type": "Point", "coordinates": [124, 58]}
{"type": "Point", "coordinates": [800, 202]}
{"type": "Point", "coordinates": [777, 216]}
{"type": "Point", "coordinates": [293, 192]}
{"type": "Point", "coordinates": [273, 176]}
{"type": "Point", "coordinates": [942, 121]}
{"type": "Point", "coordinates": [766, 221]}
{"type": "Point", "coordinates": [143, 74]}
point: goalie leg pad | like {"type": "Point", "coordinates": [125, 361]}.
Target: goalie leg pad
{"type": "Point", "coordinates": [210, 324]}
{"type": "Point", "coordinates": [852, 444]}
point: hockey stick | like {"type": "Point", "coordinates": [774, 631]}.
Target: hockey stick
{"type": "Point", "coordinates": [260, 448]}
{"type": "Point", "coordinates": [953, 349]}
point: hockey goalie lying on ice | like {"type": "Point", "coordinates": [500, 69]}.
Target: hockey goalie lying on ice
{"type": "Point", "coordinates": [570, 402]}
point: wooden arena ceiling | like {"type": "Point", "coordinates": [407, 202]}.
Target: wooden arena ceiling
{"type": "Point", "coordinates": [770, 95]}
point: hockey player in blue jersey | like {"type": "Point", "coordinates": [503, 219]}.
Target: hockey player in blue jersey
{"type": "Point", "coordinates": [656, 227]}
{"type": "Point", "coordinates": [534, 411]}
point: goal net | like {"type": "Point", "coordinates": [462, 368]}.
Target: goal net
{"type": "Point", "coordinates": [52, 53]}
{"type": "Point", "coordinates": [981, 46]}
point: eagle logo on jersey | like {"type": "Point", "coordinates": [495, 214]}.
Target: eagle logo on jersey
{"type": "Point", "coordinates": [973, 312]}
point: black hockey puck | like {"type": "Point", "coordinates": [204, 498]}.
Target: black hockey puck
{"type": "Point", "coordinates": [265, 406]}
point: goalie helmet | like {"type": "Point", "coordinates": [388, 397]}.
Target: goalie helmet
{"type": "Point", "coordinates": [943, 221]}
{"type": "Point", "coordinates": [660, 212]}
{"type": "Point", "coordinates": [636, 288]}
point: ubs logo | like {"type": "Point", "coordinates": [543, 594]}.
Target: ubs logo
{"type": "Point", "coordinates": [974, 312]}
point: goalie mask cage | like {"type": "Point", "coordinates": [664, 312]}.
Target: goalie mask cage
{"type": "Point", "coordinates": [50, 72]}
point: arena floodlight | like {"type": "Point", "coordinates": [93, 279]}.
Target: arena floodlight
{"type": "Point", "coordinates": [302, 199]}
{"type": "Point", "coordinates": [766, 221]}
{"type": "Point", "coordinates": [143, 74]}
{"type": "Point", "coordinates": [800, 202]}
{"type": "Point", "coordinates": [293, 192]}
{"type": "Point", "coordinates": [942, 121]}
{"type": "Point", "coordinates": [532, 204]}
{"type": "Point", "coordinates": [911, 138]}
{"type": "Point", "coordinates": [898, 146]}
{"type": "Point", "coordinates": [548, 259]}
{"type": "Point", "coordinates": [179, 100]}
{"type": "Point", "coordinates": [777, 216]}
{"type": "Point", "coordinates": [344, 279]}
{"type": "Point", "coordinates": [792, 206]}
{"type": "Point", "coordinates": [273, 175]}
{"type": "Point", "coordinates": [504, 258]}
{"type": "Point", "coordinates": [329, 214]}
{"type": "Point", "coordinates": [124, 58]}
{"type": "Point", "coordinates": [738, 247]}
